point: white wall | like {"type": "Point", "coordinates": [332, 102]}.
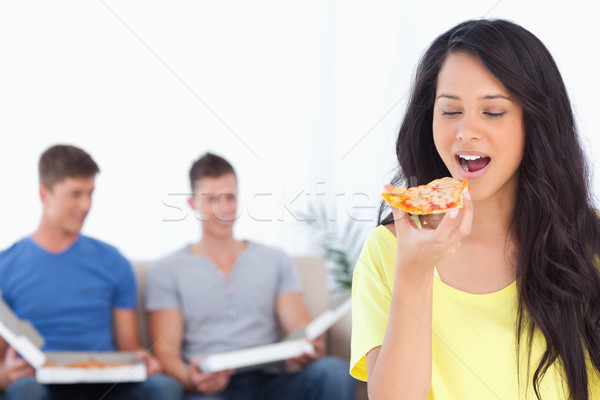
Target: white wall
{"type": "Point", "coordinates": [304, 98]}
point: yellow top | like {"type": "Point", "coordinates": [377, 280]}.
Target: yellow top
{"type": "Point", "coordinates": [473, 335]}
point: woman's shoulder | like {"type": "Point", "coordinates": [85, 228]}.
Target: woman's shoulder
{"type": "Point", "coordinates": [391, 228]}
{"type": "Point", "coordinates": [384, 233]}
{"type": "Point", "coordinates": [380, 245]}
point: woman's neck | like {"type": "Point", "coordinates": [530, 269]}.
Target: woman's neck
{"type": "Point", "coordinates": [485, 262]}
{"type": "Point", "coordinates": [491, 221]}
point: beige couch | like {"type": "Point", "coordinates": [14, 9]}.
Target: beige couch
{"type": "Point", "coordinates": [314, 281]}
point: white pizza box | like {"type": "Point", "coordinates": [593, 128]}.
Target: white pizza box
{"type": "Point", "coordinates": [117, 367]}
{"type": "Point", "coordinates": [339, 307]}
{"type": "Point", "coordinates": [294, 345]}
{"type": "Point", "coordinates": [256, 356]}
{"type": "Point", "coordinates": [26, 340]}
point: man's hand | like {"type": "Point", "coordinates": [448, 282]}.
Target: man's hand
{"type": "Point", "coordinates": [152, 364]}
{"type": "Point", "coordinates": [14, 368]}
{"type": "Point", "coordinates": [307, 358]}
{"type": "Point", "coordinates": [208, 383]}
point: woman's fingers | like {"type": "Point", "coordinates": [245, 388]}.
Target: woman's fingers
{"type": "Point", "coordinates": [402, 222]}
{"type": "Point", "coordinates": [447, 226]}
{"type": "Point", "coordinates": [456, 221]}
{"type": "Point", "coordinates": [467, 215]}
{"type": "Point", "coordinates": [427, 247]}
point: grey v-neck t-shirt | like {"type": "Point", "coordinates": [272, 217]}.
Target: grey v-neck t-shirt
{"type": "Point", "coordinates": [223, 313]}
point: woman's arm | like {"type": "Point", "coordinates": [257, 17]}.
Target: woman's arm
{"type": "Point", "coordinates": [401, 366]}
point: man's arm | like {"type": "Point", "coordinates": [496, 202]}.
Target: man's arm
{"type": "Point", "coordinates": [12, 367]}
{"type": "Point", "coordinates": [127, 338]}
{"type": "Point", "coordinates": [166, 332]}
{"type": "Point", "coordinates": [293, 315]}
{"type": "Point", "coordinates": [292, 311]}
{"type": "Point", "coordinates": [126, 329]}
{"type": "Point", "coordinates": [4, 382]}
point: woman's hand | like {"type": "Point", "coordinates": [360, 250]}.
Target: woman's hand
{"type": "Point", "coordinates": [419, 250]}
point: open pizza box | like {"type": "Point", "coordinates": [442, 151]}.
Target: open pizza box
{"type": "Point", "coordinates": [294, 345]}
{"type": "Point", "coordinates": [67, 367]}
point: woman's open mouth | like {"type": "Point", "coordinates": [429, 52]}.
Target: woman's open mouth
{"type": "Point", "coordinates": [472, 166]}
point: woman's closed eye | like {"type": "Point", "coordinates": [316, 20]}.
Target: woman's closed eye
{"type": "Point", "coordinates": [450, 113]}
{"type": "Point", "coordinates": [495, 114]}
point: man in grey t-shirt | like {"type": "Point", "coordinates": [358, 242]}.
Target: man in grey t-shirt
{"type": "Point", "coordinates": [223, 294]}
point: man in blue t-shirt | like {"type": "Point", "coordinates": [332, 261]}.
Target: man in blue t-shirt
{"type": "Point", "coordinates": [78, 292]}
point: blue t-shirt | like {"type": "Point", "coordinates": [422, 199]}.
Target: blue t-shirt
{"type": "Point", "coordinates": [69, 297]}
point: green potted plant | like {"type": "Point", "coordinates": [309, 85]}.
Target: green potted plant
{"type": "Point", "coordinates": [340, 245]}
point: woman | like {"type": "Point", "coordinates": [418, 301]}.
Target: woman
{"type": "Point", "coordinates": [502, 299]}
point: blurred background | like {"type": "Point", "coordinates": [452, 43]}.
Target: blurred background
{"type": "Point", "coordinates": [304, 98]}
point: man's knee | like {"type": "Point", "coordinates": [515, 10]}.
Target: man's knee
{"type": "Point", "coordinates": [330, 366]}
{"type": "Point", "coordinates": [27, 388]}
{"type": "Point", "coordinates": [331, 374]}
{"type": "Point", "coordinates": [162, 387]}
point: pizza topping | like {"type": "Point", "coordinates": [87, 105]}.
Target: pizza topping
{"type": "Point", "coordinates": [437, 196]}
{"type": "Point", "coordinates": [87, 364]}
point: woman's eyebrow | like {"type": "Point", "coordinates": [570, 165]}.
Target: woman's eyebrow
{"type": "Point", "coordinates": [495, 96]}
{"type": "Point", "coordinates": [448, 96]}
{"type": "Point", "coordinates": [486, 97]}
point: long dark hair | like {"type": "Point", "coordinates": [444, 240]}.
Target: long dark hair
{"type": "Point", "coordinates": [554, 223]}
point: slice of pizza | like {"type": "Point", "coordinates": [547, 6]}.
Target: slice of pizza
{"type": "Point", "coordinates": [436, 197]}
